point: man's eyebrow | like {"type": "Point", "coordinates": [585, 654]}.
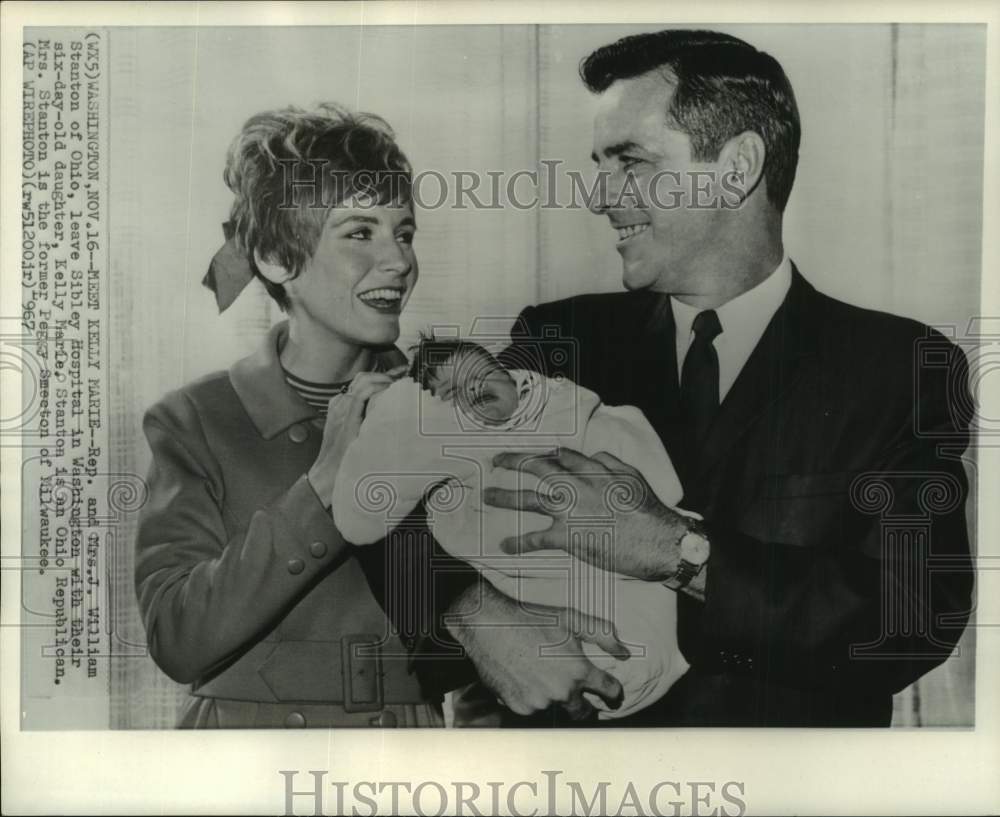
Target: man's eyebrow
{"type": "Point", "coordinates": [616, 150]}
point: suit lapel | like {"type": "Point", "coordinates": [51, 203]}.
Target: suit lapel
{"type": "Point", "coordinates": [775, 365]}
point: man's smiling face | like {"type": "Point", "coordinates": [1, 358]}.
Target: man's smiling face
{"type": "Point", "coordinates": [660, 236]}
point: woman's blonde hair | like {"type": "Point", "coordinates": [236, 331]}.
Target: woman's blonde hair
{"type": "Point", "coordinates": [288, 167]}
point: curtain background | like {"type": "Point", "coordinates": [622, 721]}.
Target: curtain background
{"type": "Point", "coordinates": [886, 209]}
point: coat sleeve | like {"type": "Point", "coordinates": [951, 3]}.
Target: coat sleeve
{"type": "Point", "coordinates": [881, 608]}
{"type": "Point", "coordinates": [203, 594]}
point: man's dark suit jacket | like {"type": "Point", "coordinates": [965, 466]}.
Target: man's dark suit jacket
{"type": "Point", "coordinates": [833, 492]}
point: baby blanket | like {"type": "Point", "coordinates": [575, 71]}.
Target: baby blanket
{"type": "Point", "coordinates": [413, 446]}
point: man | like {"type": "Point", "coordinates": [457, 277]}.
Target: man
{"type": "Point", "coordinates": [820, 442]}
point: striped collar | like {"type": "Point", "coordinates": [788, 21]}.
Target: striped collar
{"type": "Point", "coordinates": [272, 404]}
{"type": "Point", "coordinates": [318, 395]}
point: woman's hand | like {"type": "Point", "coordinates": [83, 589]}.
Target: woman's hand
{"type": "Point", "coordinates": [343, 421]}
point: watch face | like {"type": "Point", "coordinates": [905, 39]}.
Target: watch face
{"type": "Point", "coordinates": [694, 548]}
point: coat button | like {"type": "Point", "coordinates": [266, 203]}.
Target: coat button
{"type": "Point", "coordinates": [296, 720]}
{"type": "Point", "coordinates": [318, 549]}
{"type": "Point", "coordinates": [387, 720]}
{"type": "Point", "coordinates": [298, 433]}
{"type": "Point", "coordinates": [296, 566]}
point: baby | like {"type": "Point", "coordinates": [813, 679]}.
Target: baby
{"type": "Point", "coordinates": [433, 437]}
{"type": "Point", "coordinates": [466, 374]}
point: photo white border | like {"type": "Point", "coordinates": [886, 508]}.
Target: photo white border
{"type": "Point", "coordinates": [812, 771]}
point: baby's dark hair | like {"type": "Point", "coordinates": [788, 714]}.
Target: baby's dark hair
{"type": "Point", "coordinates": [430, 353]}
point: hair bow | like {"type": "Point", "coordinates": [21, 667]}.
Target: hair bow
{"type": "Point", "coordinates": [229, 271]}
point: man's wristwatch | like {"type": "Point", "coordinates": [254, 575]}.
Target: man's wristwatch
{"type": "Point", "coordinates": [695, 549]}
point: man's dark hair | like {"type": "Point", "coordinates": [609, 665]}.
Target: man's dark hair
{"type": "Point", "coordinates": [724, 86]}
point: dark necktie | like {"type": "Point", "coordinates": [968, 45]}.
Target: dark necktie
{"type": "Point", "coordinates": [700, 379]}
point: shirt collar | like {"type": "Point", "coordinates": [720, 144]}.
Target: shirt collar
{"type": "Point", "coordinates": [747, 315]}
{"type": "Point", "coordinates": [259, 382]}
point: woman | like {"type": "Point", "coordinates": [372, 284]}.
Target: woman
{"type": "Point", "coordinates": [246, 588]}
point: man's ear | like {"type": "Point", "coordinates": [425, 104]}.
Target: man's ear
{"type": "Point", "coordinates": [741, 161]}
{"type": "Point", "coordinates": [275, 273]}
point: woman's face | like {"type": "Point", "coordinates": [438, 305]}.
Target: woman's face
{"type": "Point", "coordinates": [361, 274]}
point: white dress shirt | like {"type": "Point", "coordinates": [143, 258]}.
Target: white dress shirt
{"type": "Point", "coordinates": [743, 321]}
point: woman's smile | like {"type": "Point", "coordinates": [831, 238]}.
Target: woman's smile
{"type": "Point", "coordinates": [387, 300]}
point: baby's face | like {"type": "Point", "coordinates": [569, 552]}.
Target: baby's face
{"type": "Point", "coordinates": [480, 387]}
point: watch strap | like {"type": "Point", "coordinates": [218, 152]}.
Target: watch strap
{"type": "Point", "coordinates": [686, 571]}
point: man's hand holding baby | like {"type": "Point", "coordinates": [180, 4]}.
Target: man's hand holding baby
{"type": "Point", "coordinates": [571, 485]}
{"type": "Point", "coordinates": [531, 655]}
